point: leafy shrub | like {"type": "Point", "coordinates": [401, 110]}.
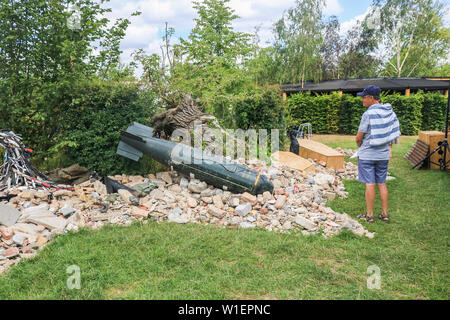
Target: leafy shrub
{"type": "Point", "coordinates": [322, 111]}
{"type": "Point", "coordinates": [408, 111]}
{"type": "Point", "coordinates": [261, 108]}
{"type": "Point", "coordinates": [350, 113]}
{"type": "Point", "coordinates": [331, 113]}
{"type": "Point", "coordinates": [90, 125]}
{"type": "Point", "coordinates": [434, 111]}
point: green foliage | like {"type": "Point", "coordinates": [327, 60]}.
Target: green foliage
{"type": "Point", "coordinates": [90, 125]}
{"type": "Point", "coordinates": [42, 58]}
{"type": "Point", "coordinates": [298, 39]}
{"type": "Point", "coordinates": [351, 111]}
{"type": "Point", "coordinates": [261, 108]}
{"type": "Point", "coordinates": [331, 113]}
{"type": "Point", "coordinates": [213, 35]}
{"type": "Point", "coordinates": [434, 111]}
{"type": "Point", "coordinates": [408, 111]}
{"type": "Point", "coordinates": [322, 111]}
{"type": "Point", "coordinates": [412, 33]}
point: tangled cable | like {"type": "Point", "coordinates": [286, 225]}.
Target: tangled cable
{"type": "Point", "coordinates": [16, 169]}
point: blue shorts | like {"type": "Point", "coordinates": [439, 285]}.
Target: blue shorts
{"type": "Point", "coordinates": [372, 171]}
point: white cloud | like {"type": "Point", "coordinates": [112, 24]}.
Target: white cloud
{"type": "Point", "coordinates": [146, 30]}
{"type": "Point", "coordinates": [332, 7]}
{"type": "Point", "coordinates": [348, 25]}
{"type": "Point", "coordinates": [139, 35]}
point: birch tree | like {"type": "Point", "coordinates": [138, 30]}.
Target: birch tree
{"type": "Point", "coordinates": [411, 35]}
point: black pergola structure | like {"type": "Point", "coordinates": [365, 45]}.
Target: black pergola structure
{"type": "Point", "coordinates": [352, 86]}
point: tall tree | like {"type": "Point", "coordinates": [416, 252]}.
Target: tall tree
{"type": "Point", "coordinates": [213, 35]}
{"type": "Point", "coordinates": [213, 58]}
{"type": "Point", "coordinates": [357, 59]}
{"type": "Point", "coordinates": [298, 38]}
{"type": "Point", "coordinates": [43, 52]}
{"type": "Point", "coordinates": [411, 35]}
{"type": "Point", "coordinates": [331, 50]}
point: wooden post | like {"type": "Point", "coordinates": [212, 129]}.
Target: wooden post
{"type": "Point", "coordinates": [340, 93]}
{"type": "Point", "coordinates": [284, 96]}
{"type": "Point", "coordinates": [407, 92]}
{"type": "Point", "coordinates": [446, 93]}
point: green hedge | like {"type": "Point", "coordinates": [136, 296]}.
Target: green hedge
{"type": "Point", "coordinates": [408, 111]}
{"type": "Point", "coordinates": [332, 113]}
{"type": "Point", "coordinates": [350, 113]}
{"type": "Point", "coordinates": [91, 123]}
{"type": "Point", "coordinates": [434, 111]}
{"type": "Point", "coordinates": [261, 108]}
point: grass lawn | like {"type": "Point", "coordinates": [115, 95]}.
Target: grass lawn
{"type": "Point", "coordinates": [171, 261]}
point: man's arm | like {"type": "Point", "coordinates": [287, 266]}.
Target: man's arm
{"type": "Point", "coordinates": [359, 138]}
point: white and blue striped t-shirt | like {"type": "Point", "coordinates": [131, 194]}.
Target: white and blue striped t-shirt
{"type": "Point", "coordinates": [380, 135]}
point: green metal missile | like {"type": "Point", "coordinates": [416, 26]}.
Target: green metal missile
{"type": "Point", "coordinates": [138, 140]}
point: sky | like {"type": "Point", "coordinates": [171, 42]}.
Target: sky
{"type": "Point", "coordinates": [147, 29]}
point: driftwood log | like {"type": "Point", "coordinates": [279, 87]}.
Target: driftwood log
{"type": "Point", "coordinates": [182, 116]}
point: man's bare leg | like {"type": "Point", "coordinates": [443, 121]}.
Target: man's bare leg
{"type": "Point", "coordinates": [370, 198]}
{"type": "Point", "coordinates": [384, 196]}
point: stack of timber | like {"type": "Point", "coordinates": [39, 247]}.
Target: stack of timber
{"type": "Point", "coordinates": [432, 138]}
{"type": "Point", "coordinates": [316, 150]}
{"type": "Point", "coordinates": [294, 161]}
{"type": "Point", "coordinates": [417, 153]}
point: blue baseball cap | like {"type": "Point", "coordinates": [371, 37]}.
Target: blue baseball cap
{"type": "Point", "coordinates": [370, 91]}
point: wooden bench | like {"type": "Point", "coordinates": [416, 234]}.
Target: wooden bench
{"type": "Point", "coordinates": [316, 150]}
{"type": "Point", "coordinates": [294, 161]}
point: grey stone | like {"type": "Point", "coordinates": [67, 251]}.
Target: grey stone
{"type": "Point", "coordinates": [251, 219]}
{"type": "Point", "coordinates": [208, 200]}
{"type": "Point", "coordinates": [207, 193]}
{"type": "Point", "coordinates": [28, 228]}
{"type": "Point", "coordinates": [177, 211]}
{"type": "Point", "coordinates": [157, 194]}
{"type": "Point", "coordinates": [191, 202]}
{"type": "Point", "coordinates": [175, 216]}
{"type": "Point", "coordinates": [305, 223]}
{"type": "Point", "coordinates": [323, 179]}
{"type": "Point", "coordinates": [67, 211]}
{"type": "Point", "coordinates": [280, 202]}
{"type": "Point", "coordinates": [184, 182]}
{"type": "Point", "coordinates": [165, 176]}
{"type": "Point", "coordinates": [246, 225]}
{"type": "Point", "coordinates": [243, 209]}
{"type": "Point", "coordinates": [234, 202]}
{"type": "Point", "coordinates": [217, 200]}
{"type": "Point", "coordinates": [49, 221]}
{"type": "Point", "coordinates": [8, 215]}
{"type": "Point", "coordinates": [216, 212]}
{"type": "Point", "coordinates": [273, 173]}
{"type": "Point", "coordinates": [158, 182]}
{"type": "Point", "coordinates": [19, 239]}
{"type": "Point", "coordinates": [100, 188]}
{"type": "Point", "coordinates": [197, 186]}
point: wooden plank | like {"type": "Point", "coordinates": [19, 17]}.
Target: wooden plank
{"type": "Point", "coordinates": [294, 161]}
{"type": "Point", "coordinates": [417, 153]}
{"type": "Point", "coordinates": [316, 150]}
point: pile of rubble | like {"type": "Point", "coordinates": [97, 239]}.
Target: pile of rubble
{"type": "Point", "coordinates": [298, 204]}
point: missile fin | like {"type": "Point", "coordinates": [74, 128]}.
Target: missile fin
{"type": "Point", "coordinates": [128, 151]}
{"type": "Point", "coordinates": [140, 130]}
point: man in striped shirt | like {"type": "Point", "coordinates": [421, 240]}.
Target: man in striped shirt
{"type": "Point", "coordinates": [378, 129]}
